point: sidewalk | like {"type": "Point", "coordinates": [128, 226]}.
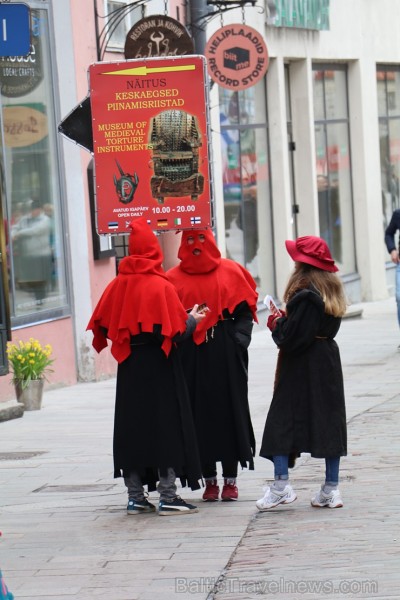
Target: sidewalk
{"type": "Point", "coordinates": [66, 533]}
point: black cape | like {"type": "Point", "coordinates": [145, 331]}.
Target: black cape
{"type": "Point", "coordinates": [153, 425]}
{"type": "Point", "coordinates": [217, 375]}
{"type": "Point", "coordinates": [307, 412]}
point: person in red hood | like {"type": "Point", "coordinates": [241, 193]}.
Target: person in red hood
{"type": "Point", "coordinates": [154, 434]}
{"type": "Point", "coordinates": [215, 358]}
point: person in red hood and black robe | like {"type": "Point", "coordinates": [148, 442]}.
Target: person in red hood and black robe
{"type": "Point", "coordinates": [154, 434]}
{"type": "Point", "coordinates": [215, 359]}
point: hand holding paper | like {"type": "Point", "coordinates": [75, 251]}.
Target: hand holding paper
{"type": "Point", "coordinates": [272, 307]}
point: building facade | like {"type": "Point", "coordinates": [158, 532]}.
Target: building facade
{"type": "Point", "coordinates": [311, 148]}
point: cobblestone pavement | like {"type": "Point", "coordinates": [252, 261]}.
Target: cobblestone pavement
{"type": "Point", "coordinates": [66, 532]}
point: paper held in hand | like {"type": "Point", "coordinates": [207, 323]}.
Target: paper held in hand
{"type": "Point", "coordinates": [270, 304]}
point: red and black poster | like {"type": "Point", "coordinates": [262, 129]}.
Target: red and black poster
{"type": "Point", "coordinates": [150, 143]}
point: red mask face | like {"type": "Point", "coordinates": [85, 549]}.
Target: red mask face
{"type": "Point", "coordinates": [198, 251]}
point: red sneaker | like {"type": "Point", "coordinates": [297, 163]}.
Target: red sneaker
{"type": "Point", "coordinates": [229, 491]}
{"type": "Point", "coordinates": [211, 493]}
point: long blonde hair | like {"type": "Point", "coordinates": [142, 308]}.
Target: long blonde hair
{"type": "Point", "coordinates": [327, 284]}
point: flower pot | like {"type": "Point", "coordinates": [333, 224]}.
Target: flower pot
{"type": "Point", "coordinates": [30, 395]}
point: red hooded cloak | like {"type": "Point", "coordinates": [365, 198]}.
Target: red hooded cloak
{"type": "Point", "coordinates": [203, 276]}
{"type": "Point", "coordinates": [138, 298]}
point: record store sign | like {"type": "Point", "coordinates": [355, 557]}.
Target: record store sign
{"type": "Point", "coordinates": [150, 143]}
{"type": "Point", "coordinates": [237, 57]}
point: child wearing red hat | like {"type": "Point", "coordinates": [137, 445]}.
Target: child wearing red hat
{"type": "Point", "coordinates": [307, 412]}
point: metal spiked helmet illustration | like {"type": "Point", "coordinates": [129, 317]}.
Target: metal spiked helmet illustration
{"type": "Point", "coordinates": [126, 185]}
{"type": "Point", "coordinates": [175, 138]}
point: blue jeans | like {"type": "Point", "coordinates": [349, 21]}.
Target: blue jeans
{"type": "Point", "coordinates": [281, 468]}
{"type": "Point", "coordinates": [398, 292]}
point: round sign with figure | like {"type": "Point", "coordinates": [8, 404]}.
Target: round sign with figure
{"type": "Point", "coordinates": [158, 35]}
{"type": "Point", "coordinates": [237, 57]}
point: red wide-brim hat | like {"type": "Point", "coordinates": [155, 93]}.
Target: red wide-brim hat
{"type": "Point", "coordinates": [313, 251]}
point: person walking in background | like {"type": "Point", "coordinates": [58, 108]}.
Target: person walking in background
{"type": "Point", "coordinates": [216, 359]}
{"type": "Point", "coordinates": [32, 252]}
{"type": "Point", "coordinates": [154, 435]}
{"type": "Point", "coordinates": [307, 412]}
{"type": "Point", "coordinates": [391, 230]}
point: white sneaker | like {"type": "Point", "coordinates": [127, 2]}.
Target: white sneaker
{"type": "Point", "coordinates": [331, 500]}
{"type": "Point", "coordinates": [273, 497]}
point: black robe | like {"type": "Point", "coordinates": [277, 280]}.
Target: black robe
{"type": "Point", "coordinates": [307, 412]}
{"type": "Point", "coordinates": [153, 424]}
{"type": "Point", "coordinates": [216, 373]}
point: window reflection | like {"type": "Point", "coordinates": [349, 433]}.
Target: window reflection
{"type": "Point", "coordinates": [388, 90]}
{"type": "Point", "coordinates": [246, 182]}
{"type": "Point", "coordinates": [335, 202]}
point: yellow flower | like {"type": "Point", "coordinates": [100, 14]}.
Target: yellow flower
{"type": "Point", "coordinates": [29, 360]}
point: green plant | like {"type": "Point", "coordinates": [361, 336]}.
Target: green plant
{"type": "Point", "coordinates": [29, 360]}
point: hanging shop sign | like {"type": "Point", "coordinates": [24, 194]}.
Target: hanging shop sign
{"type": "Point", "coordinates": [237, 57]}
{"type": "Point", "coordinates": [24, 125]}
{"type": "Point", "coordinates": [15, 36]}
{"type": "Point", "coordinates": [150, 143]}
{"type": "Point", "coordinates": [20, 75]}
{"type": "Point", "coordinates": [158, 35]}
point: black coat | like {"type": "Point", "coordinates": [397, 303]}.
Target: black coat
{"type": "Point", "coordinates": [153, 424]}
{"type": "Point", "coordinates": [216, 373]}
{"type": "Point", "coordinates": [307, 412]}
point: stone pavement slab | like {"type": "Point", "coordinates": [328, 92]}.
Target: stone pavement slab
{"type": "Point", "coordinates": [66, 532]}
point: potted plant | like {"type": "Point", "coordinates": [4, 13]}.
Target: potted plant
{"type": "Point", "coordinates": [30, 362]}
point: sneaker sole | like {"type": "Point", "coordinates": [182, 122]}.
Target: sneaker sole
{"type": "Point", "coordinates": [340, 505]}
{"type": "Point", "coordinates": [173, 513]}
{"type": "Point", "coordinates": [139, 512]}
{"type": "Point", "coordinates": [210, 499]}
{"type": "Point", "coordinates": [229, 499]}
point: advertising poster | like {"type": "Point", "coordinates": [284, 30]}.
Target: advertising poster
{"type": "Point", "coordinates": [150, 143]}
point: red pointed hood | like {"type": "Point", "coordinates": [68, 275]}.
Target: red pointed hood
{"type": "Point", "coordinates": [138, 298]}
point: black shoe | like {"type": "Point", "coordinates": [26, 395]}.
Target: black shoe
{"type": "Point", "coordinates": [138, 507]}
{"type": "Point", "coordinates": [177, 506]}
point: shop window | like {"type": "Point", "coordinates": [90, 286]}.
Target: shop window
{"type": "Point", "coordinates": [35, 230]}
{"type": "Point", "coordinates": [388, 90]}
{"type": "Point", "coordinates": [332, 143]}
{"type": "Point", "coordinates": [246, 181]}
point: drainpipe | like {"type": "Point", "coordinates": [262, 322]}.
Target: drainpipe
{"type": "Point", "coordinates": [198, 12]}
